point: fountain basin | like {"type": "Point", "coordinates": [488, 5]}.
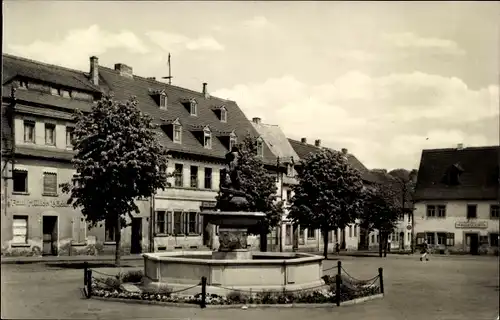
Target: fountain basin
{"type": "Point", "coordinates": [265, 271]}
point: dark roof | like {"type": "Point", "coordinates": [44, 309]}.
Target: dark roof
{"type": "Point", "coordinates": [14, 66]}
{"type": "Point", "coordinates": [123, 88]}
{"type": "Point", "coordinates": [304, 149]}
{"type": "Point", "coordinates": [479, 180]}
{"type": "Point", "coordinates": [389, 181]}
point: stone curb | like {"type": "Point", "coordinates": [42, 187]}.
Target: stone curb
{"type": "Point", "coordinates": [240, 306]}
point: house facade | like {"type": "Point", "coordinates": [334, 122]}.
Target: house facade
{"type": "Point", "coordinates": [196, 128]}
{"type": "Point", "coordinates": [457, 199]}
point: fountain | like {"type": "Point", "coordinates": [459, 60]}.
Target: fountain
{"type": "Point", "coordinates": [233, 266]}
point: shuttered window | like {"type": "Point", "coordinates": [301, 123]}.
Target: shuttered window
{"type": "Point", "coordinates": [178, 223]}
{"type": "Point", "coordinates": [169, 222]}
{"type": "Point", "coordinates": [20, 229]}
{"type": "Point", "coordinates": [160, 222]}
{"type": "Point", "coordinates": [50, 183]}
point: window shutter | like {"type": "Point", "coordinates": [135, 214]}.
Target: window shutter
{"type": "Point", "coordinates": [169, 219]}
{"type": "Point", "coordinates": [183, 223]}
{"type": "Point", "coordinates": [199, 221]}
{"type": "Point", "coordinates": [20, 228]}
{"type": "Point", "coordinates": [420, 237]}
{"type": "Point", "coordinates": [49, 183]}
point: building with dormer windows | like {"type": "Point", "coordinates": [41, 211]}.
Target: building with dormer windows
{"type": "Point", "coordinates": [196, 128]}
{"type": "Point", "coordinates": [457, 199]}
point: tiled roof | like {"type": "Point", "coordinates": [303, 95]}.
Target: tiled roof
{"type": "Point", "coordinates": [389, 181]}
{"type": "Point", "coordinates": [479, 180]}
{"type": "Point", "coordinates": [304, 149]}
{"type": "Point", "coordinates": [276, 141]}
{"type": "Point", "coordinates": [124, 87]}
{"type": "Point", "coordinates": [14, 66]}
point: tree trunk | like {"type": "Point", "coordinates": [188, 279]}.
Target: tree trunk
{"type": "Point", "coordinates": [325, 244]}
{"type": "Point", "coordinates": [380, 244]}
{"type": "Point", "coordinates": [118, 238]}
{"type": "Point", "coordinates": [263, 241]}
{"type": "Point", "coordinates": [385, 244]}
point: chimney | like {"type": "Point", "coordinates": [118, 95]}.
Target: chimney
{"type": "Point", "coordinates": [94, 70]}
{"type": "Point", "coordinates": [205, 91]}
{"type": "Point", "coordinates": [256, 120]}
{"type": "Point", "coordinates": [460, 146]}
{"type": "Point", "coordinates": [344, 151]}
{"type": "Point", "coordinates": [125, 71]}
{"type": "Point", "coordinates": [317, 143]}
{"type": "Point", "coordinates": [303, 140]}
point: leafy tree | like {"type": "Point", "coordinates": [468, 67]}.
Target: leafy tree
{"type": "Point", "coordinates": [118, 160]}
{"type": "Point", "coordinates": [381, 212]}
{"type": "Point", "coordinates": [329, 194]}
{"type": "Point", "coordinates": [260, 188]}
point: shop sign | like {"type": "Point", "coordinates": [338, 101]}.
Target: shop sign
{"type": "Point", "coordinates": [408, 227]}
{"type": "Point", "coordinates": [208, 204]}
{"type": "Point", "coordinates": [471, 224]}
{"type": "Point", "coordinates": [38, 203]}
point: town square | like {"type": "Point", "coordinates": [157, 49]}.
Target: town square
{"type": "Point", "coordinates": [213, 160]}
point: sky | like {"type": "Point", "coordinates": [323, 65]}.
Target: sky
{"type": "Point", "coordinates": [382, 79]}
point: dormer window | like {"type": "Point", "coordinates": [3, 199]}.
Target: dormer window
{"type": "Point", "coordinates": [23, 84]}
{"type": "Point", "coordinates": [54, 91]}
{"type": "Point", "coordinates": [163, 101]}
{"type": "Point", "coordinates": [193, 107]}
{"type": "Point", "coordinates": [177, 133]}
{"type": "Point", "coordinates": [207, 138]}
{"type": "Point", "coordinates": [233, 141]}
{"type": "Point", "coordinates": [289, 170]}
{"type": "Point", "coordinates": [223, 115]}
{"type": "Point", "coordinates": [260, 148]}
{"type": "Point", "coordinates": [452, 175]}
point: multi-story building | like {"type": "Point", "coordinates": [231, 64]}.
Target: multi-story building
{"type": "Point", "coordinates": [196, 128]}
{"type": "Point", "coordinates": [457, 199]}
{"type": "Point", "coordinates": [348, 238]}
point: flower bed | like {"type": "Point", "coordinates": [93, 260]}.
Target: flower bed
{"type": "Point", "coordinates": [112, 288]}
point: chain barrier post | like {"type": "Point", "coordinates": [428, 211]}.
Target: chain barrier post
{"type": "Point", "coordinates": [89, 283]}
{"type": "Point", "coordinates": [203, 292]}
{"type": "Point", "coordinates": [337, 289]}
{"type": "Point", "coordinates": [85, 268]}
{"type": "Point", "coordinates": [381, 279]}
{"type": "Point", "coordinates": [339, 267]}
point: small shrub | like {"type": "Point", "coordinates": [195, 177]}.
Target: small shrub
{"type": "Point", "coordinates": [113, 283]}
{"type": "Point", "coordinates": [162, 289]}
{"type": "Point", "coordinates": [132, 276]}
{"type": "Point", "coordinates": [237, 297]}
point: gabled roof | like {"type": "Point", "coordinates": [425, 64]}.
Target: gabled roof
{"type": "Point", "coordinates": [277, 142]}
{"type": "Point", "coordinates": [479, 180]}
{"type": "Point", "coordinates": [123, 88]}
{"type": "Point", "coordinates": [304, 149]}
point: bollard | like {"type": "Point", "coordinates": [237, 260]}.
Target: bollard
{"type": "Point", "coordinates": [381, 279]}
{"type": "Point", "coordinates": [339, 267]}
{"type": "Point", "coordinates": [203, 292]}
{"type": "Point", "coordinates": [337, 289]}
{"type": "Point", "coordinates": [89, 283]}
{"type": "Point", "coordinates": [85, 268]}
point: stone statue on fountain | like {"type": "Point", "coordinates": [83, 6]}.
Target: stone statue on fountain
{"type": "Point", "coordinates": [232, 198]}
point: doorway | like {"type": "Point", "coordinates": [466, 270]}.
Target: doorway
{"type": "Point", "coordinates": [136, 237]}
{"type": "Point", "coordinates": [49, 227]}
{"type": "Point", "coordinates": [206, 233]}
{"type": "Point", "coordinates": [472, 241]}
{"type": "Point", "coordinates": [401, 241]}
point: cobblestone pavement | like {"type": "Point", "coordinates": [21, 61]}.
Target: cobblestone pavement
{"type": "Point", "coordinates": [443, 288]}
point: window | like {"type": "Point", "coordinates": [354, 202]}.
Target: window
{"type": "Point", "coordinates": [223, 115]}
{"type": "Point", "coordinates": [222, 176]}
{"type": "Point", "coordinates": [64, 93]}
{"type": "Point", "coordinates": [29, 131]}
{"type": "Point", "coordinates": [373, 238]}
{"type": "Point", "coordinates": [471, 211]}
{"type": "Point", "coordinates": [441, 211]}
{"type": "Point", "coordinates": [177, 133]}
{"type": "Point", "coordinates": [483, 240]}
{"type": "Point", "coordinates": [450, 239]}
{"type": "Point", "coordinates": [20, 179]}
{"type": "Point", "coordinates": [20, 229]}
{"type": "Point", "coordinates": [79, 230]}
{"type": "Point", "coordinates": [69, 136]}
{"type": "Point", "coordinates": [178, 222]}
{"type": "Point", "coordinates": [193, 106]}
{"type": "Point", "coordinates": [163, 101]}
{"type": "Point", "coordinates": [431, 211]}
{"type": "Point", "coordinates": [350, 231]}
{"type": "Point", "coordinates": [355, 231]}
{"type": "Point", "coordinates": [161, 222]}
{"type": "Point", "coordinates": [494, 211]}
{"type": "Point", "coordinates": [260, 148]}
{"type": "Point", "coordinates": [442, 238]}
{"type": "Point", "coordinates": [191, 223]}
{"type": "Point", "coordinates": [179, 181]}
{"type": "Point", "coordinates": [494, 239]}
{"type": "Point", "coordinates": [233, 141]}
{"type": "Point", "coordinates": [289, 170]}
{"type": "Point", "coordinates": [311, 233]}
{"type": "Point", "coordinates": [289, 196]}
{"type": "Point", "coordinates": [50, 134]}
{"type": "Point", "coordinates": [408, 237]}
{"type": "Point", "coordinates": [109, 227]}
{"type": "Point", "coordinates": [430, 237]}
{"type": "Point", "coordinates": [194, 177]}
{"type": "Point", "coordinates": [23, 85]}
{"type": "Point", "coordinates": [49, 183]}
{"type": "Point", "coordinates": [207, 140]}
{"type": "Point", "coordinates": [208, 178]}
{"type": "Point", "coordinates": [54, 91]}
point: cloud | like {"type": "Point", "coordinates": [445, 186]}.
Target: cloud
{"type": "Point", "coordinates": [78, 45]}
{"type": "Point", "coordinates": [383, 120]}
{"type": "Point", "coordinates": [410, 40]}
{"type": "Point", "coordinates": [355, 56]}
{"type": "Point", "coordinates": [173, 42]}
{"type": "Point", "coordinates": [256, 22]}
